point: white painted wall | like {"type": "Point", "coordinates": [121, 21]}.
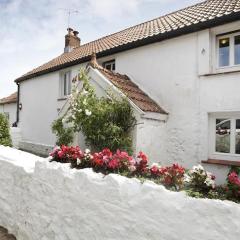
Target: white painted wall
{"type": "Point", "coordinates": [42, 201]}
{"type": "Point", "coordinates": [40, 104]}
{"type": "Point", "coordinates": [11, 109]}
{"type": "Point", "coordinates": [16, 136]}
{"type": "Point", "coordinates": [170, 76]}
{"type": "Point", "coordinates": [172, 72]}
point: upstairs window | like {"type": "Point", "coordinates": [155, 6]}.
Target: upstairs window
{"type": "Point", "coordinates": [224, 52]}
{"type": "Point", "coordinates": [237, 49]}
{"type": "Point", "coordinates": [65, 84]}
{"type": "Point", "coordinates": [229, 50]}
{"type": "Point", "coordinates": [109, 65]}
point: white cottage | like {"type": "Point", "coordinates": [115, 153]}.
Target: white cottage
{"type": "Point", "coordinates": [8, 106]}
{"type": "Point", "coordinates": [186, 68]}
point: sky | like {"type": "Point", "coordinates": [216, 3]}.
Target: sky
{"type": "Point", "coordinates": [32, 31]}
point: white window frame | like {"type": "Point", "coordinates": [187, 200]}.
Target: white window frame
{"type": "Point", "coordinates": [232, 156]}
{"type": "Point", "coordinates": [111, 63]}
{"type": "Point", "coordinates": [231, 50]}
{"type": "Point", "coordinates": [68, 85]}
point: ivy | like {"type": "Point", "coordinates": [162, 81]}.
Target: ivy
{"type": "Point", "coordinates": [106, 122]}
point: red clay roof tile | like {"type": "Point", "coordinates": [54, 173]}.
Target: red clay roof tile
{"type": "Point", "coordinates": [10, 99]}
{"type": "Point", "coordinates": [207, 13]}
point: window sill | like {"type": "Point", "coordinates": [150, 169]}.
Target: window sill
{"type": "Point", "coordinates": [221, 73]}
{"type": "Point", "coordinates": [62, 99]}
{"type": "Point", "coordinates": [222, 162]}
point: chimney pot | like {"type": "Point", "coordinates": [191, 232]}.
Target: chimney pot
{"type": "Point", "coordinates": [71, 40]}
{"type": "Point", "coordinates": [75, 33]}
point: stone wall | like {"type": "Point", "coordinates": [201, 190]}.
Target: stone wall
{"type": "Point", "coordinates": [41, 200]}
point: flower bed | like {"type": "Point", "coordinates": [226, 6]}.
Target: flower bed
{"type": "Point", "coordinates": [197, 182]}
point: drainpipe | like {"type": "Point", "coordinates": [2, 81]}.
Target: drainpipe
{"type": "Point", "coordinates": [18, 102]}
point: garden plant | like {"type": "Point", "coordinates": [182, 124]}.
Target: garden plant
{"type": "Point", "coordinates": [197, 182]}
{"type": "Point", "coordinates": [5, 138]}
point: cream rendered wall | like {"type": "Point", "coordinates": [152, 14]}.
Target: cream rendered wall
{"type": "Point", "coordinates": [11, 109]}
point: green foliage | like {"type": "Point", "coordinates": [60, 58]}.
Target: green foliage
{"type": "Point", "coordinates": [5, 138]}
{"type": "Point", "coordinates": [64, 134]}
{"type": "Point", "coordinates": [106, 122]}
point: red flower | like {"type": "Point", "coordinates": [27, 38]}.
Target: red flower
{"type": "Point", "coordinates": [113, 164]}
{"type": "Point", "coordinates": [155, 170]}
{"type": "Point", "coordinates": [233, 178]}
{"type": "Point", "coordinates": [60, 154]}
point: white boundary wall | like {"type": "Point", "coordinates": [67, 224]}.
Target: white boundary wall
{"type": "Point", "coordinates": [41, 200]}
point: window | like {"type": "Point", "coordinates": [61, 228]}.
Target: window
{"type": "Point", "coordinates": [227, 135]}
{"type": "Point", "coordinates": [237, 49]}
{"type": "Point", "coordinates": [110, 65]}
{"type": "Point", "coordinates": [229, 50]}
{"type": "Point", "coordinates": [65, 84]}
{"type": "Point", "coordinates": [224, 52]}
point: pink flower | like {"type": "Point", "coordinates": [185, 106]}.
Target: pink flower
{"type": "Point", "coordinates": [113, 164]}
{"type": "Point", "coordinates": [60, 154]}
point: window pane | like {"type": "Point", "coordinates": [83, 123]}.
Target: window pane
{"type": "Point", "coordinates": [65, 85]}
{"type": "Point", "coordinates": [224, 52]}
{"type": "Point", "coordinates": [223, 131]}
{"type": "Point", "coordinates": [237, 151]}
{"type": "Point", "coordinates": [237, 49]}
{"type": "Point", "coordinates": [69, 83]}
{"type": "Point", "coordinates": [109, 67]}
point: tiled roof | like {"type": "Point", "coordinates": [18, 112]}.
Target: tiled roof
{"type": "Point", "coordinates": [129, 89]}
{"type": "Point", "coordinates": [10, 99]}
{"type": "Point", "coordinates": [194, 18]}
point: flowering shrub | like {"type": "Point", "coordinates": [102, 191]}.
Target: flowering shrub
{"type": "Point", "coordinates": [141, 165]}
{"type": "Point", "coordinates": [5, 138]}
{"type": "Point", "coordinates": [105, 122]}
{"type": "Point", "coordinates": [197, 182]}
{"type": "Point", "coordinates": [233, 185]}
{"type": "Point", "coordinates": [172, 176]}
{"type": "Point", "coordinates": [200, 179]}
{"type": "Point", "coordinates": [119, 162]}
{"type": "Point", "coordinates": [65, 154]}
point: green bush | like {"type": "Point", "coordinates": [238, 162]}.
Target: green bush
{"type": "Point", "coordinates": [106, 122]}
{"type": "Point", "coordinates": [5, 138]}
{"type": "Point", "coordinates": [64, 135]}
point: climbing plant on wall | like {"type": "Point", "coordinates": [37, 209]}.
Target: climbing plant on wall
{"type": "Point", "coordinates": [105, 121]}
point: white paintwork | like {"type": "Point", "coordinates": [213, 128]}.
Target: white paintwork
{"type": "Point", "coordinates": [16, 136]}
{"type": "Point", "coordinates": [177, 74]}
{"type": "Point", "coordinates": [11, 109]}
{"type": "Point", "coordinates": [42, 201]}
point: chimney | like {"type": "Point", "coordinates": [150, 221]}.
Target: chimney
{"type": "Point", "coordinates": [71, 40]}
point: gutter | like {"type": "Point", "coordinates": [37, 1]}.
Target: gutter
{"type": "Point", "coordinates": [142, 42]}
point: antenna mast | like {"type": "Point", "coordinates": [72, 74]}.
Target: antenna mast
{"type": "Point", "coordinates": [69, 12]}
